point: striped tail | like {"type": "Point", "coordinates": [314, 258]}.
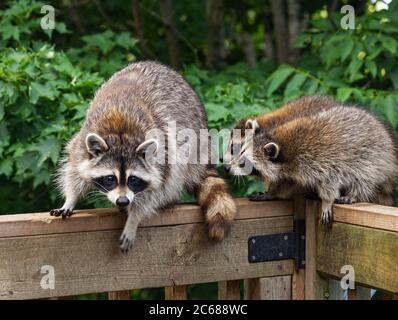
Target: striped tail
{"type": "Point", "coordinates": [217, 204]}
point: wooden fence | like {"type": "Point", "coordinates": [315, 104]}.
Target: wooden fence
{"type": "Point", "coordinates": [172, 251]}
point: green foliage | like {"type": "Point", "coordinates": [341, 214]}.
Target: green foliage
{"type": "Point", "coordinates": [45, 91]}
{"type": "Point", "coordinates": [104, 52]}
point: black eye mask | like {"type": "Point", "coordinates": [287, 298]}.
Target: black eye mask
{"type": "Point", "coordinates": [136, 184]}
{"type": "Point", "coordinates": [105, 183]}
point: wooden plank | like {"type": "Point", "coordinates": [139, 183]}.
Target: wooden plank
{"type": "Point", "coordinates": [86, 262]}
{"type": "Point", "coordinates": [270, 288]}
{"type": "Point", "coordinates": [176, 293]}
{"type": "Point", "coordinates": [298, 278]}
{"type": "Point", "coordinates": [119, 295]}
{"type": "Point", "coordinates": [315, 286]}
{"type": "Point", "coordinates": [371, 252]}
{"type": "Point", "coordinates": [367, 215]}
{"type": "Point", "coordinates": [229, 290]}
{"type": "Point", "coordinates": [111, 219]}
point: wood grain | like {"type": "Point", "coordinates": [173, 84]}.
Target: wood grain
{"type": "Point", "coordinates": [367, 215]}
{"type": "Point", "coordinates": [176, 293]}
{"type": "Point", "coordinates": [229, 290]}
{"type": "Point", "coordinates": [315, 286]}
{"type": "Point", "coordinates": [372, 253]}
{"type": "Point", "coordinates": [119, 295]}
{"type": "Point", "coordinates": [270, 288]}
{"type": "Point", "coordinates": [111, 219]}
{"type": "Point", "coordinates": [87, 262]}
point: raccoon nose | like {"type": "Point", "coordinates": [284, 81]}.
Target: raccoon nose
{"type": "Point", "coordinates": [122, 201]}
{"type": "Point", "coordinates": [242, 164]}
{"type": "Point", "coordinates": [227, 168]}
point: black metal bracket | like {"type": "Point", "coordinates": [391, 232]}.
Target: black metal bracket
{"type": "Point", "coordinates": [280, 246]}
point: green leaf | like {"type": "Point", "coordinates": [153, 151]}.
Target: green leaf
{"type": "Point", "coordinates": [48, 148]}
{"type": "Point", "coordinates": [126, 41]}
{"type": "Point", "coordinates": [343, 94]}
{"type": "Point", "coordinates": [372, 67]}
{"type": "Point", "coordinates": [391, 110]}
{"type": "Point", "coordinates": [6, 167]}
{"type": "Point", "coordinates": [295, 83]}
{"type": "Point", "coordinates": [100, 40]}
{"type": "Point", "coordinates": [10, 31]}
{"type": "Point", "coordinates": [37, 90]}
{"type": "Point", "coordinates": [216, 112]}
{"type": "Point", "coordinates": [278, 77]}
{"type": "Point", "coordinates": [389, 43]}
{"type": "Point", "coordinates": [347, 47]}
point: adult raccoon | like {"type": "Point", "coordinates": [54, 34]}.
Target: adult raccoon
{"type": "Point", "coordinates": [109, 152]}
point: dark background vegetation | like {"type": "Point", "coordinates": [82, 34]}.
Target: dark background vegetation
{"type": "Point", "coordinates": [242, 57]}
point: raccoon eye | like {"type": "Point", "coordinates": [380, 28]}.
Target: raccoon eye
{"type": "Point", "coordinates": [136, 184]}
{"type": "Point", "coordinates": [107, 182]}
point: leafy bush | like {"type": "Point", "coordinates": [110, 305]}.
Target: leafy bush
{"type": "Point", "coordinates": [44, 91]}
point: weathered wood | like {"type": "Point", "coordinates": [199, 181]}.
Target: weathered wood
{"type": "Point", "coordinates": [315, 286]}
{"type": "Point", "coordinates": [229, 290]}
{"type": "Point", "coordinates": [119, 295]}
{"type": "Point", "coordinates": [298, 278]}
{"type": "Point", "coordinates": [371, 252]}
{"type": "Point", "coordinates": [270, 288]}
{"type": "Point", "coordinates": [111, 219]}
{"type": "Point", "coordinates": [86, 262]}
{"type": "Point", "coordinates": [367, 215]}
{"type": "Point", "coordinates": [175, 293]}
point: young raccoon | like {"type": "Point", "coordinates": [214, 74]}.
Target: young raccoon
{"type": "Point", "coordinates": [343, 153]}
{"type": "Point", "coordinates": [110, 152]}
{"type": "Point", "coordinates": [295, 109]}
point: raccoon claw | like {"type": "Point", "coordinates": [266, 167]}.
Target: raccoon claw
{"type": "Point", "coordinates": [126, 243]}
{"type": "Point", "coordinates": [61, 212]}
{"type": "Point", "coordinates": [261, 197]}
{"type": "Point", "coordinates": [326, 217]}
{"type": "Point", "coordinates": [345, 200]}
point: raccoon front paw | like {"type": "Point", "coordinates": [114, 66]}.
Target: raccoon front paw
{"type": "Point", "coordinates": [126, 242]}
{"type": "Point", "coordinates": [261, 197]}
{"type": "Point", "coordinates": [345, 200]}
{"type": "Point", "coordinates": [61, 212]}
{"type": "Point", "coordinates": [326, 217]}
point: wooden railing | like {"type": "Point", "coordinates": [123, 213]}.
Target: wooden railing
{"type": "Point", "coordinates": [172, 251]}
{"type": "Point", "coordinates": [364, 237]}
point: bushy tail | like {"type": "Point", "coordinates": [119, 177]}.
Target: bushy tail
{"type": "Point", "coordinates": [218, 205]}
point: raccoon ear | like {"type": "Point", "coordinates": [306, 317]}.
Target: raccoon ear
{"type": "Point", "coordinates": [150, 145]}
{"type": "Point", "coordinates": [271, 150]}
{"type": "Point", "coordinates": [95, 144]}
{"type": "Point", "coordinates": [252, 124]}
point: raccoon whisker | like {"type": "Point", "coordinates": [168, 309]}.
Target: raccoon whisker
{"type": "Point", "coordinates": [100, 186]}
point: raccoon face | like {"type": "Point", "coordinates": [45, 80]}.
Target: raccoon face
{"type": "Point", "coordinates": [259, 155]}
{"type": "Point", "coordinates": [118, 170]}
{"type": "Point", "coordinates": [237, 157]}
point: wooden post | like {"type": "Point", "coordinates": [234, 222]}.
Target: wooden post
{"type": "Point", "coordinates": [315, 286]}
{"type": "Point", "coordinates": [229, 290]}
{"type": "Point", "coordinates": [119, 295]}
{"type": "Point", "coordinates": [270, 288]}
{"type": "Point", "coordinates": [298, 278]}
{"type": "Point", "coordinates": [176, 293]}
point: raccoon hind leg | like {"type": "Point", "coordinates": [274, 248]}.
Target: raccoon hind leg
{"type": "Point", "coordinates": [218, 205]}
